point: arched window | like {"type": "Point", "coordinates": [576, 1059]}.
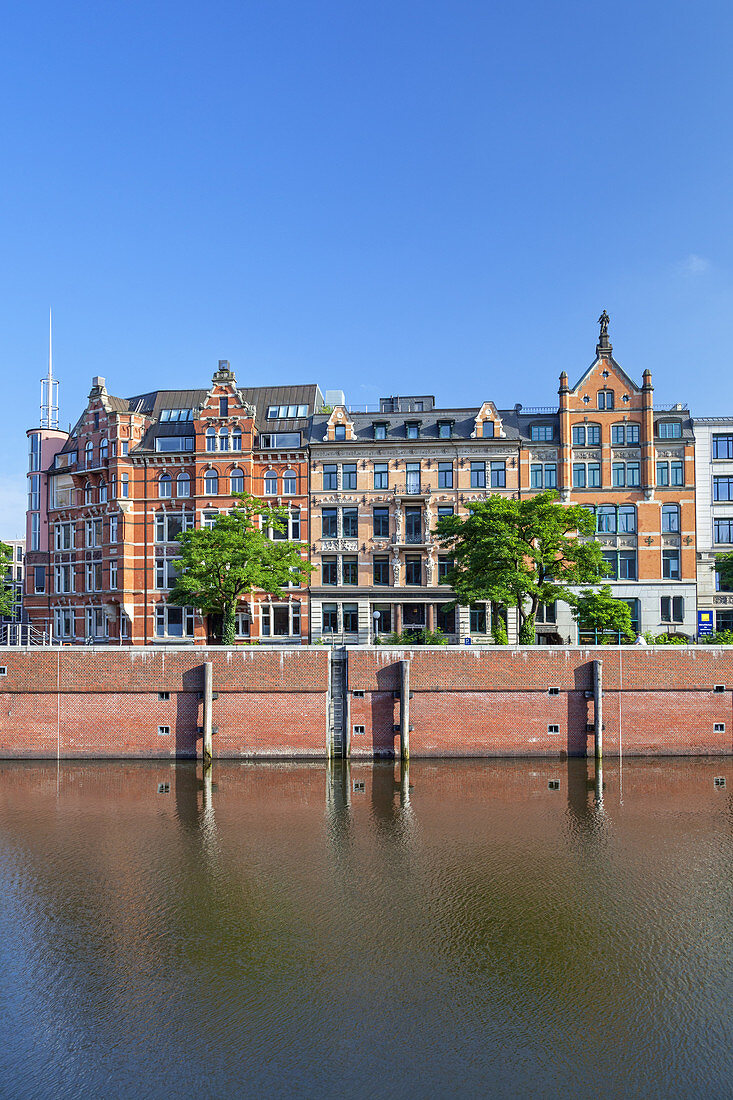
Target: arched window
{"type": "Point", "coordinates": [586, 435]}
{"type": "Point", "coordinates": [223, 439]}
{"type": "Point", "coordinates": [290, 483]}
{"type": "Point", "coordinates": [624, 434]}
{"type": "Point", "coordinates": [104, 450]}
{"type": "Point", "coordinates": [237, 439]}
{"type": "Point", "coordinates": [89, 453]}
{"type": "Point", "coordinates": [211, 483]}
{"type": "Point", "coordinates": [605, 399]}
{"type": "Point", "coordinates": [88, 493]}
{"type": "Point", "coordinates": [103, 492]}
{"type": "Point", "coordinates": [270, 484]}
{"type": "Point", "coordinates": [183, 485]}
{"type": "Point", "coordinates": [210, 439]}
{"type": "Point", "coordinates": [670, 517]}
{"type": "Point", "coordinates": [237, 480]}
{"type": "Point", "coordinates": [164, 485]}
{"type": "Point", "coordinates": [606, 519]}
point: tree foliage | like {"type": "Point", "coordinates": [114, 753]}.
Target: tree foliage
{"type": "Point", "coordinates": [219, 565]}
{"type": "Point", "coordinates": [6, 589]}
{"type": "Point", "coordinates": [521, 553]}
{"type": "Point", "coordinates": [597, 609]}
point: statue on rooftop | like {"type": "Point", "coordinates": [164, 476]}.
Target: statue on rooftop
{"type": "Point", "coordinates": [603, 322]}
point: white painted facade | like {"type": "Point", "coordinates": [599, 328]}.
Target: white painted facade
{"type": "Point", "coordinates": [709, 466]}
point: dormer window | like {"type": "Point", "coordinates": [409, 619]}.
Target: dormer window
{"type": "Point", "coordinates": [339, 433]}
{"type": "Point", "coordinates": [605, 399]}
{"type": "Point", "coordinates": [445, 429]}
{"type": "Point", "coordinates": [488, 429]}
{"type": "Point", "coordinates": [412, 429]}
{"type": "Point", "coordinates": [380, 431]}
{"type": "Point", "coordinates": [669, 429]}
{"type": "Point", "coordinates": [542, 433]}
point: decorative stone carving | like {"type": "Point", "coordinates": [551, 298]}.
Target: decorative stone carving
{"type": "Point", "coordinates": [588, 455]}
{"type": "Point", "coordinates": [429, 567]}
{"type": "Point", "coordinates": [396, 568]}
{"type": "Point", "coordinates": [332, 545]}
{"type": "Point", "coordinates": [670, 452]}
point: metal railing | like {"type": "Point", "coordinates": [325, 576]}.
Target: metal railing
{"type": "Point", "coordinates": [23, 634]}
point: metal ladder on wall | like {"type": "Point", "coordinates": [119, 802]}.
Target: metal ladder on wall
{"type": "Point", "coordinates": [337, 706]}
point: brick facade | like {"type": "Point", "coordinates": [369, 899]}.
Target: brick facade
{"type": "Point", "coordinates": [495, 701]}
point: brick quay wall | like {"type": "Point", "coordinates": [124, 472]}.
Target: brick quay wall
{"type": "Point", "coordinates": [274, 702]}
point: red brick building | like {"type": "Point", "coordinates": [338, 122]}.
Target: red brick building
{"type": "Point", "coordinates": [136, 471]}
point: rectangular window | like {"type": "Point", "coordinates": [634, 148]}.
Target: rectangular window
{"type": "Point", "coordinates": [445, 510]}
{"type": "Point", "coordinates": [39, 579]}
{"type": "Point", "coordinates": [330, 476]}
{"type": "Point", "coordinates": [113, 527]}
{"type": "Point", "coordinates": [350, 570]}
{"type": "Point", "coordinates": [329, 618]}
{"type": "Point", "coordinates": [113, 574]}
{"type": "Point", "coordinates": [671, 564]}
{"type": "Point", "coordinates": [34, 492]}
{"type": "Point", "coordinates": [618, 434]}
{"type": "Point", "coordinates": [445, 475]}
{"type": "Point", "coordinates": [546, 612]}
{"type": "Point", "coordinates": [64, 536]}
{"type": "Point", "coordinates": [669, 429]}
{"type": "Point", "coordinates": [535, 476]}
{"type": "Point", "coordinates": [594, 475]}
{"type": "Point", "coordinates": [351, 618]}
{"type": "Point", "coordinates": [723, 530]}
{"type": "Point", "coordinates": [550, 475]}
{"type": "Point", "coordinates": [478, 618]}
{"type": "Point", "coordinates": [445, 564]}
{"type": "Point", "coordinates": [413, 570]}
{"type": "Point", "coordinates": [594, 435]}
{"type": "Point", "coordinates": [63, 622]}
{"type": "Point", "coordinates": [627, 565]}
{"type": "Point", "coordinates": [542, 433]}
{"type": "Point", "coordinates": [173, 622]}
{"type": "Point", "coordinates": [381, 475]}
{"type": "Point", "coordinates": [678, 475]}
{"type": "Point", "coordinates": [611, 559]}
{"type": "Point", "coordinates": [633, 475]}
{"type": "Point", "coordinates": [498, 475]}
{"type": "Point", "coordinates": [329, 571]}
{"type": "Point", "coordinates": [619, 475]}
{"type": "Point", "coordinates": [478, 475]}
{"type": "Point", "coordinates": [579, 475]}
{"type": "Point", "coordinates": [662, 473]}
{"type": "Point", "coordinates": [381, 570]}
{"type": "Point", "coordinates": [412, 477]}
{"type": "Point", "coordinates": [445, 429]}
{"type": "Point", "coordinates": [413, 524]}
{"type": "Point", "coordinates": [606, 519]}
{"type": "Point", "coordinates": [165, 572]}
{"type": "Point", "coordinates": [35, 531]}
{"type": "Point", "coordinates": [672, 609]}
{"type": "Point", "coordinates": [627, 519]}
{"type": "Point", "coordinates": [339, 432]}
{"type": "Point", "coordinates": [380, 431]}
{"type": "Point", "coordinates": [349, 475]}
{"type": "Point", "coordinates": [350, 523]}
{"type": "Point", "coordinates": [723, 446]}
{"type": "Point", "coordinates": [329, 523]}
{"type": "Point", "coordinates": [723, 488]}
{"type": "Point", "coordinates": [413, 429]}
{"type": "Point", "coordinates": [381, 523]}
{"type": "Point", "coordinates": [578, 435]}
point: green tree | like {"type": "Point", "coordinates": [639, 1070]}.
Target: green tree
{"type": "Point", "coordinates": [596, 609]}
{"type": "Point", "coordinates": [6, 590]}
{"type": "Point", "coordinates": [218, 565]}
{"type": "Point", "coordinates": [521, 553]}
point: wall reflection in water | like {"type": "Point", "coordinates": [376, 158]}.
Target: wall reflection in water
{"type": "Point", "coordinates": [465, 927]}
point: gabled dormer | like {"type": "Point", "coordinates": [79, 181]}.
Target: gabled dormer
{"type": "Point", "coordinates": [488, 424]}
{"type": "Point", "coordinates": [605, 386]}
{"type": "Point", "coordinates": [340, 427]}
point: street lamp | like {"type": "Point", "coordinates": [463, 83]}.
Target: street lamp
{"type": "Point", "coordinates": [375, 621]}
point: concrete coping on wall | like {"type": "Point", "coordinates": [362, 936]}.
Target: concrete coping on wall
{"type": "Point", "coordinates": [538, 650]}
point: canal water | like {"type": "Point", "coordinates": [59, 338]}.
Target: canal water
{"type": "Point", "coordinates": [493, 928]}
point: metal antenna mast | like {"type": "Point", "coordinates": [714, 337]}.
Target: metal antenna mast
{"type": "Point", "coordinates": [49, 390]}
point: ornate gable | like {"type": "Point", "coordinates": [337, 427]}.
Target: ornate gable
{"type": "Point", "coordinates": [488, 414]}
{"type": "Point", "coordinates": [339, 418]}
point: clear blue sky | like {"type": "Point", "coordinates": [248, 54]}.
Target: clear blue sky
{"type": "Point", "coordinates": [383, 197]}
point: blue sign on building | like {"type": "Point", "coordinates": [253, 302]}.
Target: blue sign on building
{"type": "Point", "coordinates": [704, 623]}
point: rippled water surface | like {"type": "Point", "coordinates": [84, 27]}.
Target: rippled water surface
{"type": "Point", "coordinates": [464, 930]}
